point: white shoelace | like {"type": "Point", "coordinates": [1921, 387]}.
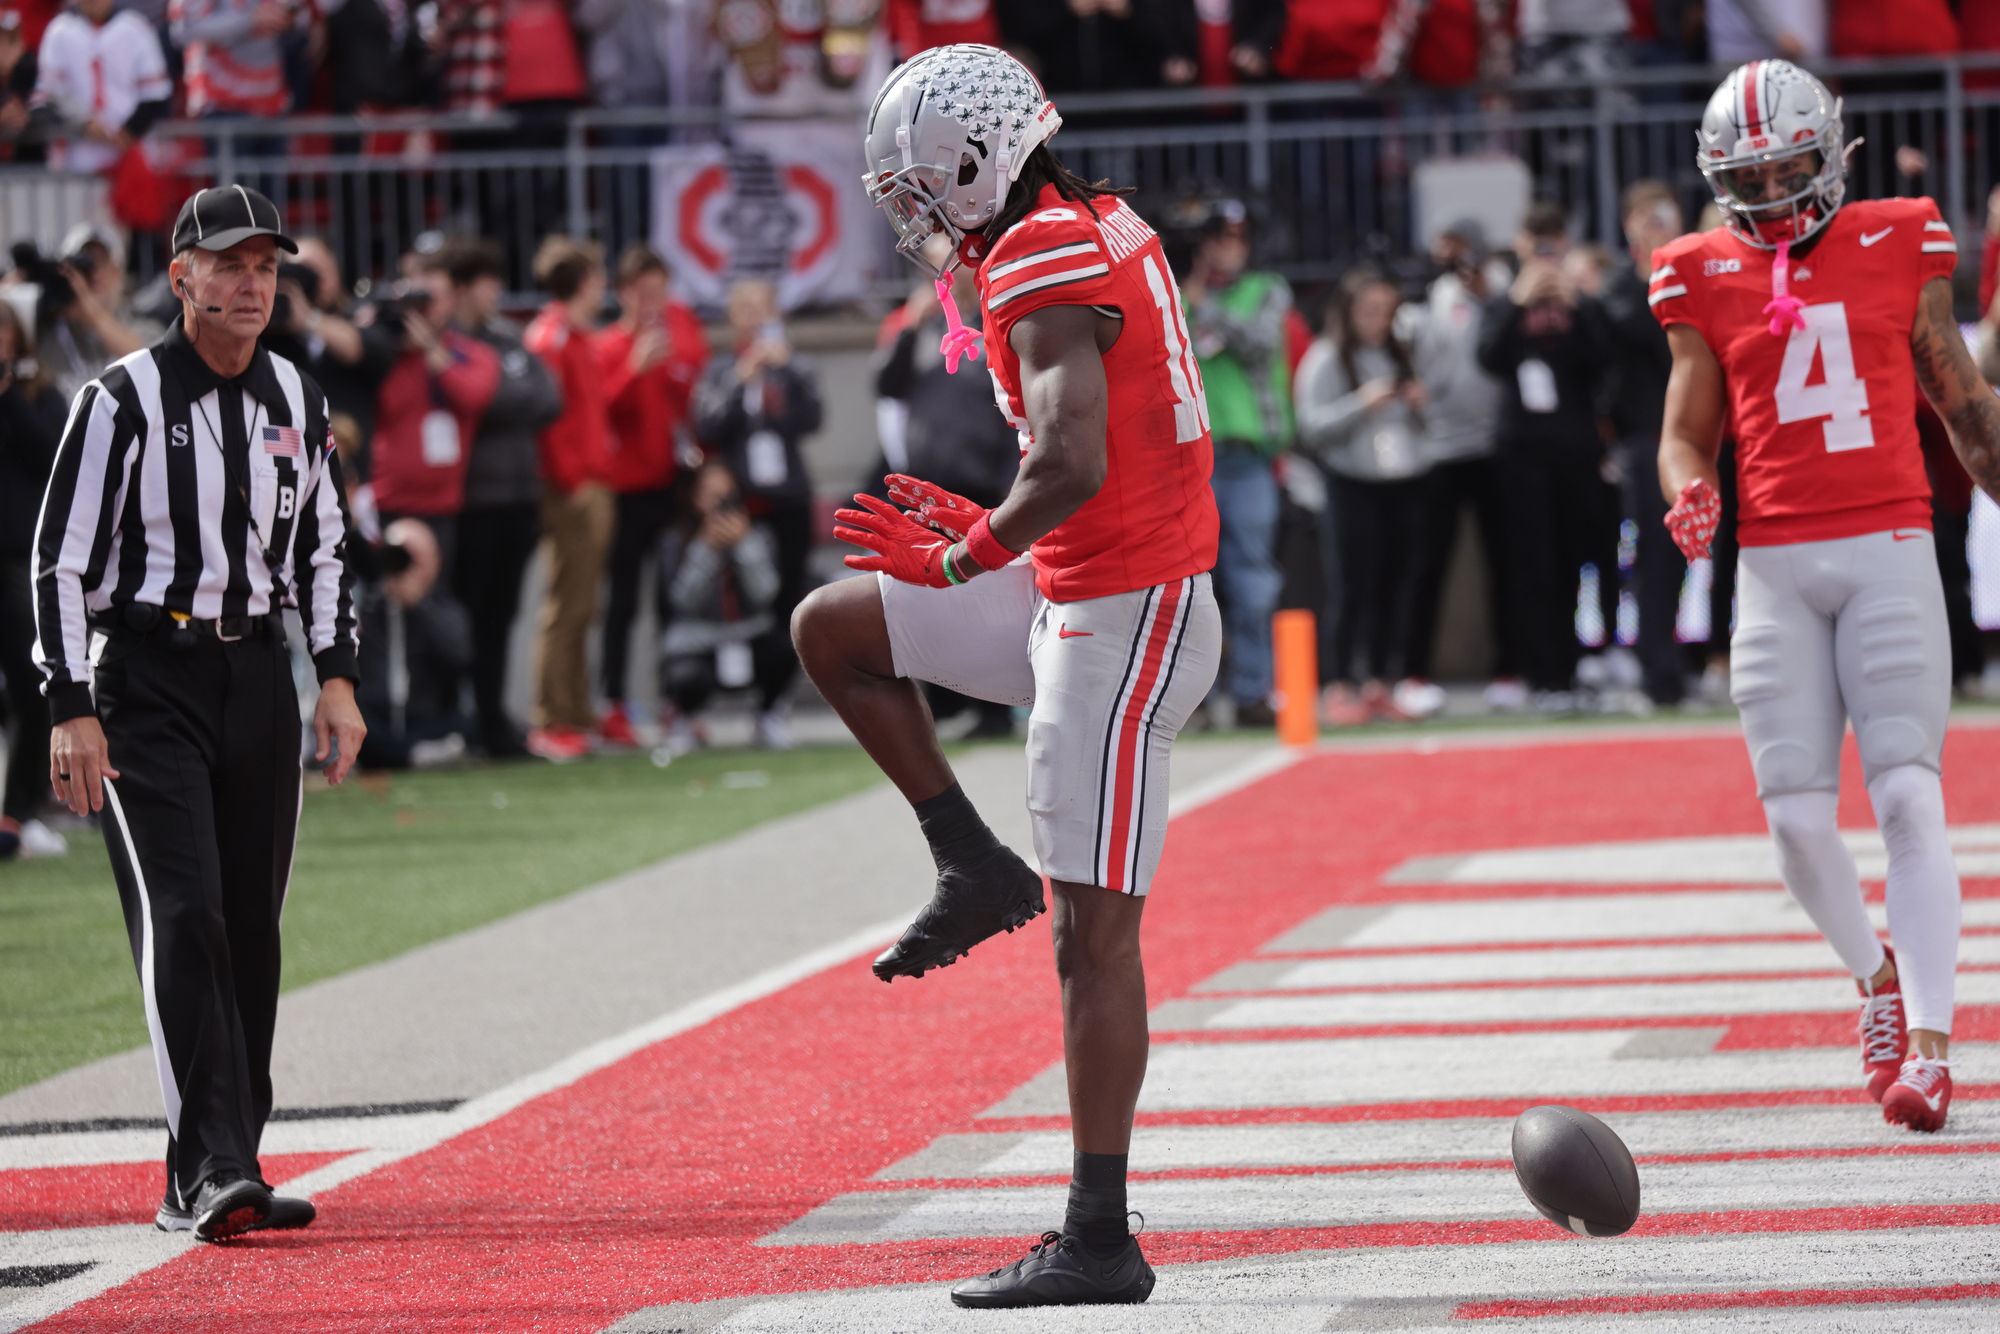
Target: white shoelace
{"type": "Point", "coordinates": [1881, 1025]}
{"type": "Point", "coordinates": [1923, 1073]}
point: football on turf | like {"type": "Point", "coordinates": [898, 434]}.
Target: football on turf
{"type": "Point", "coordinates": [1576, 1171]}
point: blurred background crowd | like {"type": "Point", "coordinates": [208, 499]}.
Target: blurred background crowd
{"type": "Point", "coordinates": [585, 512]}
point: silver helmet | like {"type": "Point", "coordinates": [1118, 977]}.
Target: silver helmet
{"type": "Point", "coordinates": [946, 140]}
{"type": "Point", "coordinates": [1768, 111]}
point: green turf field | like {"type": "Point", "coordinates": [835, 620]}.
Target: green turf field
{"type": "Point", "coordinates": [386, 864]}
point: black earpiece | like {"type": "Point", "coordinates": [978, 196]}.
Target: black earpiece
{"type": "Point", "coordinates": [212, 310]}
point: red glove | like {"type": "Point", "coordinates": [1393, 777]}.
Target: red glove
{"type": "Point", "coordinates": [1693, 518]}
{"type": "Point", "coordinates": [904, 549]}
{"type": "Point", "coordinates": [951, 515]}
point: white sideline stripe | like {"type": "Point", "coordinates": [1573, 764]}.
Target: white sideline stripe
{"type": "Point", "coordinates": [1620, 1000]}
{"type": "Point", "coordinates": [1457, 1139]}
{"type": "Point", "coordinates": [1549, 1066]}
{"type": "Point", "coordinates": [1739, 859]}
{"type": "Point", "coordinates": [114, 1255]}
{"type": "Point", "coordinates": [335, 1135]}
{"type": "Point", "coordinates": [1781, 956]}
{"type": "Point", "coordinates": [1414, 1288]}
{"type": "Point", "coordinates": [109, 1273]}
{"type": "Point", "coordinates": [1348, 1199]}
{"type": "Point", "coordinates": [1556, 918]}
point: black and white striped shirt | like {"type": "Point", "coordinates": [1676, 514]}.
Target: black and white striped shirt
{"type": "Point", "coordinates": [147, 503]}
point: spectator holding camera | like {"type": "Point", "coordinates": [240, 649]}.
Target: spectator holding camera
{"type": "Point", "coordinates": [1550, 347]}
{"type": "Point", "coordinates": [652, 357]}
{"type": "Point", "coordinates": [31, 421]}
{"type": "Point", "coordinates": [349, 354]}
{"type": "Point", "coordinates": [101, 85]}
{"type": "Point", "coordinates": [1642, 361]}
{"type": "Point", "coordinates": [719, 582]}
{"type": "Point", "coordinates": [1237, 322]}
{"type": "Point", "coordinates": [1460, 403]}
{"type": "Point", "coordinates": [83, 321]}
{"type": "Point", "coordinates": [755, 409]}
{"type": "Point", "coordinates": [501, 523]}
{"type": "Point", "coordinates": [578, 512]}
{"type": "Point", "coordinates": [414, 647]}
{"type": "Point", "coordinates": [19, 71]}
{"type": "Point", "coordinates": [428, 409]}
{"type": "Point", "coordinates": [1360, 409]}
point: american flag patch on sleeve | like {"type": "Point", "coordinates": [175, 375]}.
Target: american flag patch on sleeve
{"type": "Point", "coordinates": [284, 440]}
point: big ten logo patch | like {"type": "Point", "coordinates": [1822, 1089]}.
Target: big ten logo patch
{"type": "Point", "coordinates": [1715, 266]}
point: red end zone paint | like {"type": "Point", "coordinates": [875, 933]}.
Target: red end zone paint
{"type": "Point", "coordinates": [34, 1199]}
{"type": "Point", "coordinates": [649, 1182]}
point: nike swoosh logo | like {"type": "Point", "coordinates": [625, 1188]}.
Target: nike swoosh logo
{"type": "Point", "coordinates": [1066, 633]}
{"type": "Point", "coordinates": [1906, 537]}
{"type": "Point", "coordinates": [1933, 1100]}
{"type": "Point", "coordinates": [1868, 240]}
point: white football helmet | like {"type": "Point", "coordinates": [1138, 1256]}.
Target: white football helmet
{"type": "Point", "coordinates": [946, 140]}
{"type": "Point", "coordinates": [1766, 111]}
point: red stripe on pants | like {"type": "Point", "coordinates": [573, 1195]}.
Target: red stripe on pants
{"type": "Point", "coordinates": [1129, 728]}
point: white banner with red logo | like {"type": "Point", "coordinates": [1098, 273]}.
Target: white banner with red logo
{"type": "Point", "coordinates": [783, 203]}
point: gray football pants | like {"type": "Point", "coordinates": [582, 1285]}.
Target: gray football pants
{"type": "Point", "coordinates": [1855, 628]}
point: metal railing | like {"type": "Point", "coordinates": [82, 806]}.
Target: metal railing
{"type": "Point", "coordinates": [1327, 167]}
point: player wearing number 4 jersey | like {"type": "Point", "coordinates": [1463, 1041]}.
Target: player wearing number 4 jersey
{"type": "Point", "coordinates": [1811, 324]}
{"type": "Point", "coordinates": [1084, 597]}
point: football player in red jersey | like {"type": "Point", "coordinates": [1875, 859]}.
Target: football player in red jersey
{"type": "Point", "coordinates": [1804, 320]}
{"type": "Point", "coordinates": [1084, 596]}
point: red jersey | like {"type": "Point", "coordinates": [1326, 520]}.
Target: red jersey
{"type": "Point", "coordinates": [573, 446]}
{"type": "Point", "coordinates": [1154, 519]}
{"type": "Point", "coordinates": [645, 413]}
{"type": "Point", "coordinates": [1825, 418]}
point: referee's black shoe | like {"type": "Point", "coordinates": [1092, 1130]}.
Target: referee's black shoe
{"type": "Point", "coordinates": [996, 894]}
{"type": "Point", "coordinates": [1058, 1271]}
{"type": "Point", "coordinates": [286, 1215]}
{"type": "Point", "coordinates": [227, 1205]}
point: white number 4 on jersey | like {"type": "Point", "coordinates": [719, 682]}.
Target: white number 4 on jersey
{"type": "Point", "coordinates": [1842, 396]}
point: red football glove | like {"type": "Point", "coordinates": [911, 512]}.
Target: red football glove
{"type": "Point", "coordinates": [951, 515]}
{"type": "Point", "coordinates": [904, 549]}
{"type": "Point", "coordinates": [1693, 518]}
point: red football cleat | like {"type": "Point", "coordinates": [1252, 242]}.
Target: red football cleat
{"type": "Point", "coordinates": [559, 744]}
{"type": "Point", "coordinates": [1885, 1037]}
{"type": "Point", "coordinates": [1921, 1095]}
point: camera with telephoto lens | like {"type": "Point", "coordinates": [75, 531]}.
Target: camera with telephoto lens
{"type": "Point", "coordinates": [281, 306]}
{"type": "Point", "coordinates": [57, 295]}
{"type": "Point", "coordinates": [393, 310]}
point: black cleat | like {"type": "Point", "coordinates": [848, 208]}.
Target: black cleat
{"type": "Point", "coordinates": [286, 1214]}
{"type": "Point", "coordinates": [228, 1205]}
{"type": "Point", "coordinates": [1057, 1271]}
{"type": "Point", "coordinates": [998, 894]}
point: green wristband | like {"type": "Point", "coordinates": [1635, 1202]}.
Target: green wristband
{"type": "Point", "coordinates": [950, 572]}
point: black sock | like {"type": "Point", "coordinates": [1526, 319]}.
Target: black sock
{"type": "Point", "coordinates": [958, 837]}
{"type": "Point", "coordinates": [1096, 1216]}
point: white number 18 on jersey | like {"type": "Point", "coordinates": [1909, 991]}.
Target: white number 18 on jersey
{"type": "Point", "coordinates": [1842, 396]}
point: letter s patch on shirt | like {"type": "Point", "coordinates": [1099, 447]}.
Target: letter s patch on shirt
{"type": "Point", "coordinates": [179, 433]}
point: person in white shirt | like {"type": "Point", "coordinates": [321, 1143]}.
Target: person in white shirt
{"type": "Point", "coordinates": [103, 83]}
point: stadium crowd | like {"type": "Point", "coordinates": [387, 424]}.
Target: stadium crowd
{"type": "Point", "coordinates": [1521, 378]}
{"type": "Point", "coordinates": [80, 85]}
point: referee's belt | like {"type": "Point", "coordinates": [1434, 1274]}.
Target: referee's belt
{"type": "Point", "coordinates": [144, 618]}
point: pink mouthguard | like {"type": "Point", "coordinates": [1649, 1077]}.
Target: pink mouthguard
{"type": "Point", "coordinates": [958, 340]}
{"type": "Point", "coordinates": [1784, 308]}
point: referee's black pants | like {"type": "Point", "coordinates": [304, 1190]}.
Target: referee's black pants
{"type": "Point", "coordinates": [200, 824]}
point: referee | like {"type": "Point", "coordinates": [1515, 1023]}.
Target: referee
{"type": "Point", "coordinates": [195, 493]}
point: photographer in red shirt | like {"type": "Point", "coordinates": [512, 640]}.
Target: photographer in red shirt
{"type": "Point", "coordinates": [651, 359]}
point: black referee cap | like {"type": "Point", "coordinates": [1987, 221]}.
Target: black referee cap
{"type": "Point", "coordinates": [219, 217]}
